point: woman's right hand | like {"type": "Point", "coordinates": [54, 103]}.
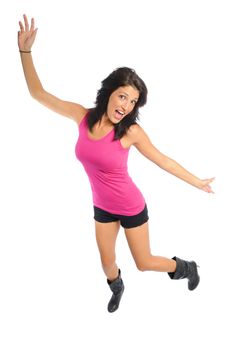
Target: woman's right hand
{"type": "Point", "coordinates": [26, 36]}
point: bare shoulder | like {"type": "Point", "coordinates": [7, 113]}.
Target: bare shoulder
{"type": "Point", "coordinates": [79, 114]}
{"type": "Point", "coordinates": [142, 142]}
{"type": "Point", "coordinates": [135, 133]}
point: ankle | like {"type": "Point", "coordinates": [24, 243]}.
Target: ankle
{"type": "Point", "coordinates": [113, 275]}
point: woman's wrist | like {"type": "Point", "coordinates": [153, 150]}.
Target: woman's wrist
{"type": "Point", "coordinates": [25, 51]}
{"type": "Point", "coordinates": [198, 183]}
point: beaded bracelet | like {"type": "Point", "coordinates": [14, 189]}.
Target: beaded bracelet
{"type": "Point", "coordinates": [25, 51]}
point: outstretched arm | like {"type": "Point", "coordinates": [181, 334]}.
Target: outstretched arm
{"type": "Point", "coordinates": [26, 38]}
{"type": "Point", "coordinates": [142, 142]}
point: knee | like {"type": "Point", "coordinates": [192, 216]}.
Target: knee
{"type": "Point", "coordinates": [143, 265]}
{"type": "Point", "coordinates": [141, 268]}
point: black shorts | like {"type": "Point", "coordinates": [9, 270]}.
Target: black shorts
{"type": "Point", "coordinates": [126, 221]}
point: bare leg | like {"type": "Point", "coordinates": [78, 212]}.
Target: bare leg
{"type": "Point", "coordinates": [106, 235]}
{"type": "Point", "coordinates": [138, 240]}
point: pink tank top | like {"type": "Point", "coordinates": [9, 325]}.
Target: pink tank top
{"type": "Point", "coordinates": [105, 162]}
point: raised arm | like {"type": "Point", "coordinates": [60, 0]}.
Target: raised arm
{"type": "Point", "coordinates": [26, 38]}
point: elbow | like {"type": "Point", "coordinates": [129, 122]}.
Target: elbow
{"type": "Point", "coordinates": [33, 95]}
{"type": "Point", "coordinates": [37, 95]}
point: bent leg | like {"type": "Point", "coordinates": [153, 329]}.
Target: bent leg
{"type": "Point", "coordinates": [138, 241]}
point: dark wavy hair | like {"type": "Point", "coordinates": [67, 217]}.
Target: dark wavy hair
{"type": "Point", "coordinates": [122, 76]}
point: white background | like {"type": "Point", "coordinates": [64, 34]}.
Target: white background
{"type": "Point", "coordinates": [53, 293]}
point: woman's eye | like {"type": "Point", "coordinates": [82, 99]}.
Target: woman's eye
{"type": "Point", "coordinates": [122, 97]}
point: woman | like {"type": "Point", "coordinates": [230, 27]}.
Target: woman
{"type": "Point", "coordinates": [106, 133]}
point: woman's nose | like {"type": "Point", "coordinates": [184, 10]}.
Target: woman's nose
{"type": "Point", "coordinates": [125, 105]}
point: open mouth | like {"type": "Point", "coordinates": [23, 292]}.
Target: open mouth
{"type": "Point", "coordinates": [119, 114]}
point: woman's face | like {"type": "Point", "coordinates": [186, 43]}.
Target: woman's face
{"type": "Point", "coordinates": [121, 103]}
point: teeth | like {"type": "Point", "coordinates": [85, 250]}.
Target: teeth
{"type": "Point", "coordinates": [121, 113]}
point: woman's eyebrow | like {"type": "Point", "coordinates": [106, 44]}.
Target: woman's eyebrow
{"type": "Point", "coordinates": [125, 93]}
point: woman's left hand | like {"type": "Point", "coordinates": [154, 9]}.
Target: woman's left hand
{"type": "Point", "coordinates": [205, 185]}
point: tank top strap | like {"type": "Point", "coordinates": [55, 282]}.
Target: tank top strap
{"type": "Point", "coordinates": [83, 127]}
